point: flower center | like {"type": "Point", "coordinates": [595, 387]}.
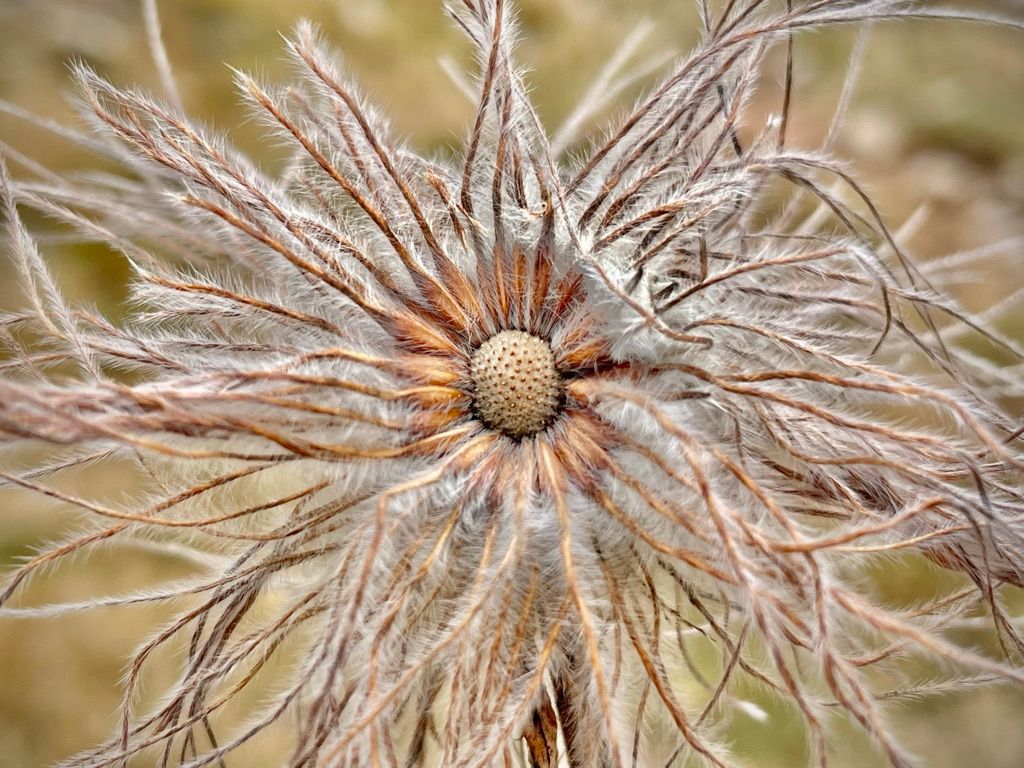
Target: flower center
{"type": "Point", "coordinates": [516, 389]}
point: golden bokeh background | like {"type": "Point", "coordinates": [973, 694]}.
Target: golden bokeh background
{"type": "Point", "coordinates": [938, 120]}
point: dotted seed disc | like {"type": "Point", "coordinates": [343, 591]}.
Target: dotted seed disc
{"type": "Point", "coordinates": [516, 387]}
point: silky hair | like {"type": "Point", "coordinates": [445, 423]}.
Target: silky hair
{"type": "Point", "coordinates": [748, 399]}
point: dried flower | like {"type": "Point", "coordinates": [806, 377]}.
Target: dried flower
{"type": "Point", "coordinates": [502, 436]}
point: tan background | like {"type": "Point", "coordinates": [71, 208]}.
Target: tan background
{"type": "Point", "coordinates": [939, 119]}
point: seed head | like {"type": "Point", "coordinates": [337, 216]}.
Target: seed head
{"type": "Point", "coordinates": [323, 399]}
{"type": "Point", "coordinates": [516, 388]}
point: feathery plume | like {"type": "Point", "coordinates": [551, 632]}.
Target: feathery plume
{"type": "Point", "coordinates": [486, 447]}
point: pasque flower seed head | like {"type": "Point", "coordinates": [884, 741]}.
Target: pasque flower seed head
{"type": "Point", "coordinates": [499, 447]}
{"type": "Point", "coordinates": [516, 388]}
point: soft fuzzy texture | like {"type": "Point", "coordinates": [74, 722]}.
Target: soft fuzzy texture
{"type": "Point", "coordinates": [757, 402]}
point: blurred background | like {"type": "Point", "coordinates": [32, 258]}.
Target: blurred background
{"type": "Point", "coordinates": [937, 121]}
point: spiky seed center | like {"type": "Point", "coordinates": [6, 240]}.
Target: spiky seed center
{"type": "Point", "coordinates": [516, 387]}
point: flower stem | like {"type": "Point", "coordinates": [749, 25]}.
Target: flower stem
{"type": "Point", "coordinates": [541, 736]}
